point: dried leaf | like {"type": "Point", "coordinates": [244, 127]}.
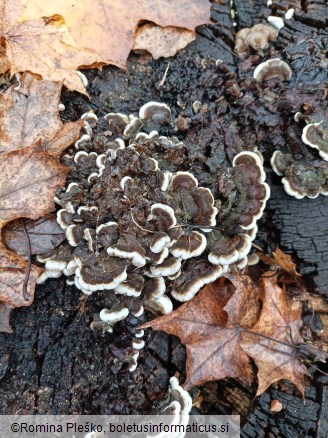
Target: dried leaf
{"type": "Point", "coordinates": [44, 234]}
{"type": "Point", "coordinates": [285, 262]}
{"type": "Point", "coordinates": [281, 259]}
{"type": "Point", "coordinates": [28, 181]}
{"type": "Point", "coordinates": [207, 325]}
{"type": "Point", "coordinates": [111, 33]}
{"type": "Point", "coordinates": [5, 311]}
{"type": "Point", "coordinates": [42, 46]}
{"type": "Point", "coordinates": [12, 276]}
{"type": "Point", "coordinates": [224, 322]}
{"type": "Point", "coordinates": [162, 41]}
{"type": "Point", "coordinates": [64, 137]}
{"type": "Point", "coordinates": [281, 321]}
{"type": "Point", "coordinates": [34, 114]}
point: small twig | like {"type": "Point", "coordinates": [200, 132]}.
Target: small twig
{"type": "Point", "coordinates": [315, 367]}
{"type": "Point", "coordinates": [26, 294]}
{"type": "Point", "coordinates": [162, 82]}
{"type": "Point", "coordinates": [139, 226]}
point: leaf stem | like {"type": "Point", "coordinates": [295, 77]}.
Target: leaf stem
{"type": "Point", "coordinates": [26, 294]}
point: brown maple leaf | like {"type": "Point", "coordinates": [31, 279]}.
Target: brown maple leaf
{"type": "Point", "coordinates": [111, 27]}
{"type": "Point", "coordinates": [281, 321]}
{"type": "Point", "coordinates": [208, 325]}
{"type": "Point", "coordinates": [225, 321]}
{"type": "Point", "coordinates": [43, 46]}
{"type": "Point", "coordinates": [44, 234]}
{"type": "Point", "coordinates": [32, 113]}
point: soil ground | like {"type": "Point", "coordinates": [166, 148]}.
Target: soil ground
{"type": "Point", "coordinates": [53, 363]}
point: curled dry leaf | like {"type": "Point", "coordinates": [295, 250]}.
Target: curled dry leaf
{"type": "Point", "coordinates": [162, 41]}
{"type": "Point", "coordinates": [224, 325]}
{"type": "Point", "coordinates": [114, 23]}
{"type": "Point", "coordinates": [28, 181]}
{"type": "Point", "coordinates": [284, 261]}
{"type": "Point", "coordinates": [43, 46]}
{"type": "Point", "coordinates": [32, 113]}
{"type": "Point", "coordinates": [44, 234]}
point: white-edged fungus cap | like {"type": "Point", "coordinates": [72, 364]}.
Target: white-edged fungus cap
{"type": "Point", "coordinates": [64, 218]}
{"type": "Point", "coordinates": [231, 250]}
{"type": "Point", "coordinates": [193, 279]}
{"type": "Point", "coordinates": [107, 276]}
{"type": "Point", "coordinates": [185, 399]}
{"type": "Point", "coordinates": [115, 314]}
{"type": "Point", "coordinates": [273, 69]}
{"type": "Point", "coordinates": [134, 253]}
{"type": "Point", "coordinates": [163, 215]}
{"type": "Point", "coordinates": [189, 245]}
{"type": "Point", "coordinates": [154, 288]}
{"type": "Point", "coordinates": [170, 266]}
{"type": "Point", "coordinates": [131, 287]}
{"type": "Point", "coordinates": [155, 111]}
{"type": "Point", "coordinates": [159, 241]}
{"type": "Point", "coordinates": [316, 138]}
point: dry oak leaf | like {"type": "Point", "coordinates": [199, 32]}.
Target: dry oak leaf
{"type": "Point", "coordinates": [109, 26]}
{"type": "Point", "coordinates": [28, 181]}
{"type": "Point", "coordinates": [34, 114]}
{"type": "Point", "coordinates": [209, 327]}
{"type": "Point", "coordinates": [43, 46]}
{"type": "Point", "coordinates": [45, 234]}
{"type": "Point", "coordinates": [282, 321]}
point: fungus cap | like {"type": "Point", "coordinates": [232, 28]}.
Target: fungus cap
{"type": "Point", "coordinates": [192, 280]}
{"type": "Point", "coordinates": [191, 244]}
{"type": "Point", "coordinates": [115, 314]}
{"type": "Point", "coordinates": [272, 69]}
{"type": "Point", "coordinates": [163, 215]}
{"type": "Point", "coordinates": [155, 111]}
{"type": "Point", "coordinates": [159, 241]}
{"type": "Point", "coordinates": [315, 135]}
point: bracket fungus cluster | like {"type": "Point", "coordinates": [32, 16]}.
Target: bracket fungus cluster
{"type": "Point", "coordinates": [300, 178]}
{"type": "Point", "coordinates": [306, 177]}
{"type": "Point", "coordinates": [139, 225]}
{"type": "Point", "coordinates": [255, 38]}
